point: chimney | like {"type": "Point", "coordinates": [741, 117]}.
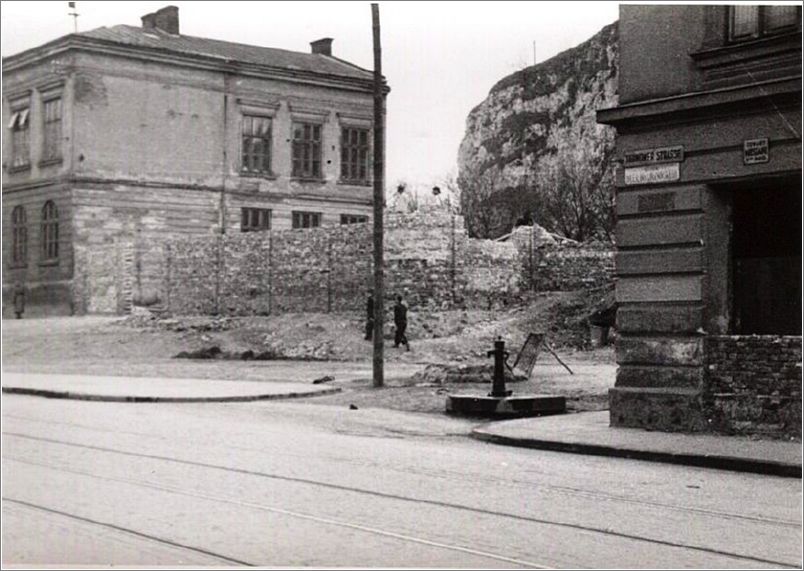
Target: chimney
{"type": "Point", "coordinates": [149, 21]}
{"type": "Point", "coordinates": [322, 46]}
{"type": "Point", "coordinates": [165, 19]}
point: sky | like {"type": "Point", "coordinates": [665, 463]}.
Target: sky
{"type": "Point", "coordinates": [440, 58]}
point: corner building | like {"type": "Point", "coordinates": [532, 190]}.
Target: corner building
{"type": "Point", "coordinates": [708, 209]}
{"type": "Point", "coordinates": [139, 133]}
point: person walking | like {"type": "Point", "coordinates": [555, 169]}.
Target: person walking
{"type": "Point", "coordinates": [370, 316]}
{"type": "Point", "coordinates": [400, 323]}
{"type": "Point", "coordinates": [19, 300]}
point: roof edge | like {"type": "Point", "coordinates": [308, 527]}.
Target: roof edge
{"type": "Point", "coordinates": [77, 42]}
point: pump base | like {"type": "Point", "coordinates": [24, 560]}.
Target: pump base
{"type": "Point", "coordinates": [506, 407]}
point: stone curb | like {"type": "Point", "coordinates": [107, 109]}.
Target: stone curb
{"type": "Point", "coordinates": [109, 398]}
{"type": "Point", "coordinates": [731, 463]}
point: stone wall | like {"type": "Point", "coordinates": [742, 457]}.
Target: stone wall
{"type": "Point", "coordinates": [428, 258]}
{"type": "Point", "coordinates": [106, 274]}
{"type": "Point", "coordinates": [491, 273]}
{"type": "Point", "coordinates": [568, 267]}
{"type": "Point", "coordinates": [754, 384]}
{"type": "Point", "coordinates": [551, 265]}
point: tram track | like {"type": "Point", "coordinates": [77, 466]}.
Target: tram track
{"type": "Point", "coordinates": [566, 490]}
{"type": "Point", "coordinates": [273, 509]}
{"type": "Point", "coordinates": [374, 493]}
{"type": "Point", "coordinates": [129, 531]}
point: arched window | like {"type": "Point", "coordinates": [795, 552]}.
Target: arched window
{"type": "Point", "coordinates": [50, 231]}
{"type": "Point", "coordinates": [19, 236]}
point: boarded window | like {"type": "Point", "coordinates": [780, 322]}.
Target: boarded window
{"type": "Point", "coordinates": [52, 130]}
{"type": "Point", "coordinates": [19, 236]}
{"type": "Point", "coordinates": [306, 219]}
{"type": "Point", "coordinates": [354, 154]}
{"type": "Point", "coordinates": [307, 150]}
{"type": "Point", "coordinates": [50, 231]}
{"type": "Point", "coordinates": [255, 219]}
{"type": "Point", "coordinates": [256, 144]}
{"type": "Point", "coordinates": [353, 218]}
{"type": "Point", "coordinates": [20, 138]}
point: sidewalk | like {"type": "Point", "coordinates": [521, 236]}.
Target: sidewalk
{"type": "Point", "coordinates": [581, 433]}
{"type": "Point", "coordinates": [589, 433]}
{"type": "Point", "coordinates": [140, 389]}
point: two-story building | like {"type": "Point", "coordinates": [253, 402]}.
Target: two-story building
{"type": "Point", "coordinates": [141, 132]}
{"type": "Point", "coordinates": [709, 218]}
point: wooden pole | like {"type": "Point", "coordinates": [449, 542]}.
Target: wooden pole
{"type": "Point", "coordinates": [379, 199]}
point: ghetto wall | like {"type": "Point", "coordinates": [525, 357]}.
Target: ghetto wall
{"type": "Point", "coordinates": [428, 259]}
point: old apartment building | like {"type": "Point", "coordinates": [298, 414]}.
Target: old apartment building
{"type": "Point", "coordinates": [709, 218]}
{"type": "Point", "coordinates": [141, 132]}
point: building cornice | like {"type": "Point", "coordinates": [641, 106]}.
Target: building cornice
{"type": "Point", "coordinates": [195, 61]}
{"type": "Point", "coordinates": [688, 105]}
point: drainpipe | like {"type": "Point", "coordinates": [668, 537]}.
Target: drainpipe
{"type": "Point", "coordinates": [225, 166]}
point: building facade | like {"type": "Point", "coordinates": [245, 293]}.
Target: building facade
{"type": "Point", "coordinates": [137, 133]}
{"type": "Point", "coordinates": [709, 218]}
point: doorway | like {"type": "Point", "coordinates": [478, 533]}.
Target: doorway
{"type": "Point", "coordinates": [766, 258]}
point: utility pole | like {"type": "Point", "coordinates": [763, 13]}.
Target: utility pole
{"type": "Point", "coordinates": [379, 196]}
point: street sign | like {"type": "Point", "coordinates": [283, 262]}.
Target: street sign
{"type": "Point", "coordinates": [649, 174]}
{"type": "Point", "coordinates": [654, 156]}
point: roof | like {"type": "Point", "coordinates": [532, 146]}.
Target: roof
{"type": "Point", "coordinates": [190, 45]}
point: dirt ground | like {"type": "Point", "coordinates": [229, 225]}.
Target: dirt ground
{"type": "Point", "coordinates": [316, 345]}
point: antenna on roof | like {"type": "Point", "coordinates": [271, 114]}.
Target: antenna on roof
{"type": "Point", "coordinates": [74, 14]}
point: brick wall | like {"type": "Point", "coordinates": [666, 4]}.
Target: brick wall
{"type": "Point", "coordinates": [754, 384]}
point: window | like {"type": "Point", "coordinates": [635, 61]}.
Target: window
{"type": "Point", "coordinates": [19, 236]}
{"type": "Point", "coordinates": [20, 139]}
{"type": "Point", "coordinates": [749, 22]}
{"type": "Point", "coordinates": [50, 231]}
{"type": "Point", "coordinates": [306, 219]}
{"type": "Point", "coordinates": [256, 144]}
{"type": "Point", "coordinates": [306, 150]}
{"type": "Point", "coordinates": [255, 219]}
{"type": "Point", "coordinates": [353, 219]}
{"type": "Point", "coordinates": [52, 131]}
{"type": "Point", "coordinates": [354, 154]}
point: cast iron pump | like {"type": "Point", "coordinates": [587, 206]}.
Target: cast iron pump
{"type": "Point", "coordinates": [498, 382]}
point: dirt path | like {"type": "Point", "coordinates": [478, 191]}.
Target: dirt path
{"type": "Point", "coordinates": [143, 346]}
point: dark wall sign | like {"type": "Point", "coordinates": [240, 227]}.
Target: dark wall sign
{"type": "Point", "coordinates": [654, 156]}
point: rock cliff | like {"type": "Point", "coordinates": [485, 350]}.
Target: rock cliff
{"type": "Point", "coordinates": [527, 119]}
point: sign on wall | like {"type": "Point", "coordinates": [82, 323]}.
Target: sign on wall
{"type": "Point", "coordinates": [654, 156]}
{"type": "Point", "coordinates": [650, 174]}
{"type": "Point", "coordinates": [755, 151]}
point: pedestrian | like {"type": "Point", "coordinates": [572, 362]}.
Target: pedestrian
{"type": "Point", "coordinates": [400, 323]}
{"type": "Point", "coordinates": [370, 316]}
{"type": "Point", "coordinates": [19, 300]}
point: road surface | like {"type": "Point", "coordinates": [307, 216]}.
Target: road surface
{"type": "Point", "coordinates": [292, 484]}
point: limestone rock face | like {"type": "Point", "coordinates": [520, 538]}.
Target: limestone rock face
{"type": "Point", "coordinates": [529, 114]}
